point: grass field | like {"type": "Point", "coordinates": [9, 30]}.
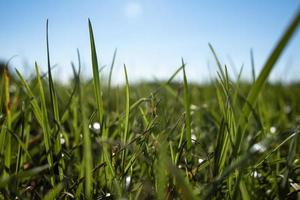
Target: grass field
{"type": "Point", "coordinates": [228, 139]}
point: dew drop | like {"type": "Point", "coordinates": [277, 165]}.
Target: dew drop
{"type": "Point", "coordinates": [200, 160]}
{"type": "Point", "coordinates": [193, 138]}
{"type": "Point", "coordinates": [273, 129]}
{"type": "Point", "coordinates": [62, 140]}
{"type": "Point", "coordinates": [255, 174]}
{"type": "Point", "coordinates": [127, 181]}
{"type": "Point", "coordinates": [193, 107]}
{"type": "Point", "coordinates": [258, 148]}
{"type": "Point", "coordinates": [95, 127]}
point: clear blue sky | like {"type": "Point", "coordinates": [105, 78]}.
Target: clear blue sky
{"type": "Point", "coordinates": [151, 35]}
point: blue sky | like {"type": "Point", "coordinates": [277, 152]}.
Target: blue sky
{"type": "Point", "coordinates": [151, 35]}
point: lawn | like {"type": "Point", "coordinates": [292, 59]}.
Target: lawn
{"type": "Point", "coordinates": [89, 139]}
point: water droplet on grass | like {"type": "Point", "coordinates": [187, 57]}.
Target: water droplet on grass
{"type": "Point", "coordinates": [193, 107]}
{"type": "Point", "coordinates": [95, 127]}
{"type": "Point", "coordinates": [255, 174]}
{"type": "Point", "coordinates": [200, 160]}
{"type": "Point", "coordinates": [273, 129]}
{"type": "Point", "coordinates": [127, 181]}
{"type": "Point", "coordinates": [193, 138]}
{"type": "Point", "coordinates": [62, 140]}
{"type": "Point", "coordinates": [258, 148]}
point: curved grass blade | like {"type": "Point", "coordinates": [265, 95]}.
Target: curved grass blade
{"type": "Point", "coordinates": [266, 70]}
{"type": "Point", "coordinates": [270, 63]}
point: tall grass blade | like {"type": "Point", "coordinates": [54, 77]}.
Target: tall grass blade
{"type": "Point", "coordinates": [87, 162]}
{"type": "Point", "coordinates": [45, 122]}
{"type": "Point", "coordinates": [270, 63]}
{"type": "Point", "coordinates": [267, 68]}
{"type": "Point", "coordinates": [126, 121]}
{"type": "Point", "coordinates": [127, 108]}
{"type": "Point", "coordinates": [187, 104]}
{"type": "Point", "coordinates": [8, 146]}
{"type": "Point", "coordinates": [96, 76]}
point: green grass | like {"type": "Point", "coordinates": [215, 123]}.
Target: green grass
{"type": "Point", "coordinates": [161, 140]}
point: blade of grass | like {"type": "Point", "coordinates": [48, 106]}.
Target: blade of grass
{"type": "Point", "coordinates": [266, 70]}
{"type": "Point", "coordinates": [126, 121]}
{"type": "Point", "coordinates": [8, 141]}
{"type": "Point", "coordinates": [110, 71]}
{"type": "Point", "coordinates": [20, 143]}
{"type": "Point", "coordinates": [45, 123]}
{"type": "Point", "coordinates": [87, 162]}
{"type": "Point", "coordinates": [96, 77]}
{"type": "Point", "coordinates": [127, 108]}
{"type": "Point", "coordinates": [55, 109]}
{"type": "Point", "coordinates": [187, 104]}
